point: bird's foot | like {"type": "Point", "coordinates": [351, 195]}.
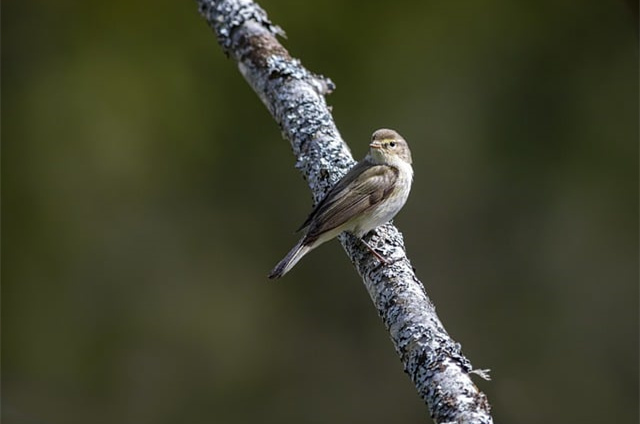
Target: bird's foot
{"type": "Point", "coordinates": [376, 254]}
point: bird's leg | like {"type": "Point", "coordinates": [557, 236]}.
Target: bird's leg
{"type": "Point", "coordinates": [376, 254]}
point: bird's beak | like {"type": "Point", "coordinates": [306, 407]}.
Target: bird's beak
{"type": "Point", "coordinates": [375, 145]}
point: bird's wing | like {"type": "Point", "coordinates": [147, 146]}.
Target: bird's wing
{"type": "Point", "coordinates": [337, 191]}
{"type": "Point", "coordinates": [349, 199]}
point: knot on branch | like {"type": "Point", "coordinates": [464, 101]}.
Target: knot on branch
{"type": "Point", "coordinates": [224, 16]}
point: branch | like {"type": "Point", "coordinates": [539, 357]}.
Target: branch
{"type": "Point", "coordinates": [295, 98]}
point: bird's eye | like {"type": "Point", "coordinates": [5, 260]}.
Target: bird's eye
{"type": "Point", "coordinates": [392, 144]}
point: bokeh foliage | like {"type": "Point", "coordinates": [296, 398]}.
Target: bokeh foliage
{"type": "Point", "coordinates": [147, 192]}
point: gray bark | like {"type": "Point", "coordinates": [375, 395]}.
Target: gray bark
{"type": "Point", "coordinates": [295, 98]}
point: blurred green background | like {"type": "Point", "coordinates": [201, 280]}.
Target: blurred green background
{"type": "Point", "coordinates": [147, 193]}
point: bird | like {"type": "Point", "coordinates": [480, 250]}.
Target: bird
{"type": "Point", "coordinates": [369, 195]}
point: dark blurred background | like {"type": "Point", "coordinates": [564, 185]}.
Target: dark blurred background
{"type": "Point", "coordinates": [147, 192]}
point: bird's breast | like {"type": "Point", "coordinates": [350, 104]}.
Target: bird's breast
{"type": "Point", "coordinates": [389, 207]}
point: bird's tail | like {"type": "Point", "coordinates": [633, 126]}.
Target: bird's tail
{"type": "Point", "coordinates": [292, 258]}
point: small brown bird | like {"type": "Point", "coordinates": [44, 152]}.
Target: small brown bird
{"type": "Point", "coordinates": [369, 195]}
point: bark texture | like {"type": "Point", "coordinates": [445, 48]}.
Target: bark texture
{"type": "Point", "coordinates": [295, 98]}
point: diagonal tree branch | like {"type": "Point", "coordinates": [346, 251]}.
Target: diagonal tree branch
{"type": "Point", "coordinates": [295, 98]}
